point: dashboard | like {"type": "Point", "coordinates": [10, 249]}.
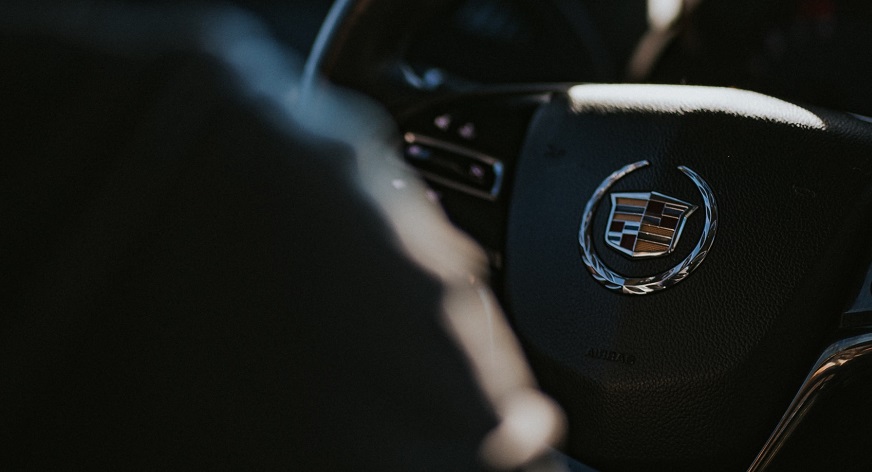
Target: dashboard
{"type": "Point", "coordinates": [810, 51]}
{"type": "Point", "coordinates": [492, 41]}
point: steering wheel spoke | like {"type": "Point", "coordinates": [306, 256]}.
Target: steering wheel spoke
{"type": "Point", "coordinates": [466, 146]}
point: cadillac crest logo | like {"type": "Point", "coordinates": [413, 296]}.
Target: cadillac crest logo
{"type": "Point", "coordinates": [646, 224]}
{"type": "Point", "coordinates": [643, 225]}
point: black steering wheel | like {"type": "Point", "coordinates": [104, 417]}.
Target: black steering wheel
{"type": "Point", "coordinates": [676, 260]}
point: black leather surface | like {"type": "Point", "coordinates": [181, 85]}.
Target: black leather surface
{"type": "Point", "coordinates": [719, 356]}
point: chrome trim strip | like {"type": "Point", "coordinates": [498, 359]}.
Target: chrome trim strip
{"type": "Point", "coordinates": [645, 285]}
{"type": "Point", "coordinates": [832, 362]}
{"type": "Point", "coordinates": [861, 117]}
{"type": "Point", "coordinates": [494, 163]}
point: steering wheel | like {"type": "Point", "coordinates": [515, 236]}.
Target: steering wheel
{"type": "Point", "coordinates": [676, 260]}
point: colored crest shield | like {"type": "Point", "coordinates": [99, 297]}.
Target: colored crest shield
{"type": "Point", "coordinates": [646, 224]}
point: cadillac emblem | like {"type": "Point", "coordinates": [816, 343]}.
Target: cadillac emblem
{"type": "Point", "coordinates": [646, 224]}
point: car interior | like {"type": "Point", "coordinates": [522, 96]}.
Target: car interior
{"type": "Point", "coordinates": [569, 235]}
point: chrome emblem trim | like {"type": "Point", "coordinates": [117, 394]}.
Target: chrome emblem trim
{"type": "Point", "coordinates": [646, 224]}
{"type": "Point", "coordinates": [645, 285]}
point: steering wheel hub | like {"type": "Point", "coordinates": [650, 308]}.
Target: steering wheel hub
{"type": "Point", "coordinates": [718, 357]}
